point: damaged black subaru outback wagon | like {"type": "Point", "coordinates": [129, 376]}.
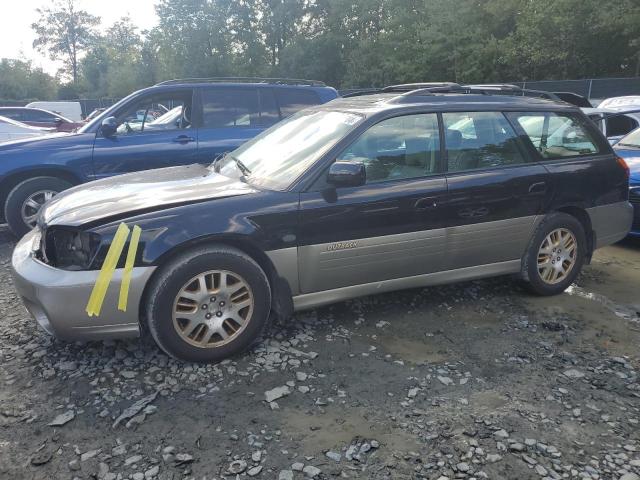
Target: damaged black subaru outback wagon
{"type": "Point", "coordinates": [411, 187]}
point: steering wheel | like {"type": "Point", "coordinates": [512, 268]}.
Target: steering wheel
{"type": "Point", "coordinates": [186, 121]}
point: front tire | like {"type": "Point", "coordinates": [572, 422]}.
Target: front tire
{"type": "Point", "coordinates": [208, 304]}
{"type": "Point", "coordinates": [25, 200]}
{"type": "Point", "coordinates": [555, 254]}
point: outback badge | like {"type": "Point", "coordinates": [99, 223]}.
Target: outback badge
{"type": "Point", "coordinates": [341, 246]}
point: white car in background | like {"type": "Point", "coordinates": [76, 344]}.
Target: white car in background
{"type": "Point", "coordinates": [616, 116]}
{"type": "Point", "coordinates": [14, 130]}
{"type": "Point", "coordinates": [614, 123]}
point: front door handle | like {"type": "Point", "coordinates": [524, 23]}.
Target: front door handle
{"type": "Point", "coordinates": [538, 188]}
{"type": "Point", "coordinates": [183, 139]}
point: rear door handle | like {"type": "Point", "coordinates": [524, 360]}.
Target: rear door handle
{"type": "Point", "coordinates": [538, 188]}
{"type": "Point", "coordinates": [183, 139]}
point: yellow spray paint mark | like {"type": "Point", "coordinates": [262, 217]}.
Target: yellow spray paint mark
{"type": "Point", "coordinates": [106, 272]}
{"type": "Point", "coordinates": [128, 268]}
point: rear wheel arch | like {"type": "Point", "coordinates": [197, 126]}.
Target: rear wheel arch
{"type": "Point", "coordinates": [582, 216]}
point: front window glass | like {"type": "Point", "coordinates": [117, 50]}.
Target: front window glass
{"type": "Point", "coordinates": [557, 135]}
{"type": "Point", "coordinates": [162, 112]}
{"type": "Point", "coordinates": [477, 140]}
{"type": "Point", "coordinates": [398, 148]}
{"type": "Point", "coordinates": [278, 156]}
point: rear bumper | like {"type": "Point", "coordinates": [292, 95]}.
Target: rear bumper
{"type": "Point", "coordinates": [611, 223]}
{"type": "Point", "coordinates": [57, 298]}
{"type": "Point", "coordinates": [634, 198]}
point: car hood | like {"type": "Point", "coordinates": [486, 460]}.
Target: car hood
{"type": "Point", "coordinates": [42, 141]}
{"type": "Point", "coordinates": [149, 190]}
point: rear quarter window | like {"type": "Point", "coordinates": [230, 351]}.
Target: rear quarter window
{"type": "Point", "coordinates": [557, 135]}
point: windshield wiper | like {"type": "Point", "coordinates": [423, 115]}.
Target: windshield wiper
{"type": "Point", "coordinates": [241, 166]}
{"type": "Point", "coordinates": [628, 145]}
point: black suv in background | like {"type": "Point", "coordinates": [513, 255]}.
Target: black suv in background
{"type": "Point", "coordinates": [417, 186]}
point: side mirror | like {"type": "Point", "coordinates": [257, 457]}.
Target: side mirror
{"type": "Point", "coordinates": [347, 174]}
{"type": "Point", "coordinates": [109, 127]}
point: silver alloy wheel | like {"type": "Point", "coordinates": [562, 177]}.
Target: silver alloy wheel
{"type": "Point", "coordinates": [557, 255]}
{"type": "Point", "coordinates": [212, 308]}
{"type": "Point", "coordinates": [32, 205]}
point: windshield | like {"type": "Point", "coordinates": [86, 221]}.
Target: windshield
{"type": "Point", "coordinates": [281, 154]}
{"type": "Point", "coordinates": [631, 140]}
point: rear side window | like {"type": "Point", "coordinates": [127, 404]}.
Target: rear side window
{"type": "Point", "coordinates": [291, 100]}
{"type": "Point", "coordinates": [268, 108]}
{"type": "Point", "coordinates": [230, 107]}
{"type": "Point", "coordinates": [477, 140]}
{"type": "Point", "coordinates": [557, 135]}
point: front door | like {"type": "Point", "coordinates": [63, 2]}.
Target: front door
{"type": "Point", "coordinates": [392, 226]}
{"type": "Point", "coordinates": [153, 132]}
{"type": "Point", "coordinates": [496, 190]}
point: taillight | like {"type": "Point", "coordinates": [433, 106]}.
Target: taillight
{"type": "Point", "coordinates": [624, 166]}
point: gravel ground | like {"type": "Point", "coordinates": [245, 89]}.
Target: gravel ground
{"type": "Point", "coordinates": [473, 380]}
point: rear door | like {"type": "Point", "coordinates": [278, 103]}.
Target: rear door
{"type": "Point", "coordinates": [154, 131]}
{"type": "Point", "coordinates": [583, 169]}
{"type": "Point", "coordinates": [496, 189]}
{"type": "Point", "coordinates": [391, 227]}
{"type": "Point", "coordinates": [232, 115]}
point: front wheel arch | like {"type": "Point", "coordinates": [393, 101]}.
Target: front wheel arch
{"type": "Point", "coordinates": [281, 295]}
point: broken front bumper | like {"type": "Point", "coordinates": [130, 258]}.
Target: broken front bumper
{"type": "Point", "coordinates": [57, 299]}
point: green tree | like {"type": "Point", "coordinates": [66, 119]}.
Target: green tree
{"type": "Point", "coordinates": [64, 32]}
{"type": "Point", "coordinates": [19, 80]}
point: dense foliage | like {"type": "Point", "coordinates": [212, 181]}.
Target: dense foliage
{"type": "Point", "coordinates": [351, 43]}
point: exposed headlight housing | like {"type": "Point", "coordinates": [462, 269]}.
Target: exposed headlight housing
{"type": "Point", "coordinates": [70, 249]}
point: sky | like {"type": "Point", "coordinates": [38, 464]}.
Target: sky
{"type": "Point", "coordinates": [16, 35]}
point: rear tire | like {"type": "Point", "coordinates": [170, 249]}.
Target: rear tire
{"type": "Point", "coordinates": [555, 254]}
{"type": "Point", "coordinates": [208, 304]}
{"type": "Point", "coordinates": [25, 199]}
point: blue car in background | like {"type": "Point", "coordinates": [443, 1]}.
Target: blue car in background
{"type": "Point", "coordinates": [629, 149]}
{"type": "Point", "coordinates": [177, 122]}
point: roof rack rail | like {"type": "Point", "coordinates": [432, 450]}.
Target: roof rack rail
{"type": "Point", "coordinates": [274, 81]}
{"type": "Point", "coordinates": [510, 89]}
{"type": "Point", "coordinates": [411, 87]}
{"type": "Point", "coordinates": [494, 86]}
{"type": "Point", "coordinates": [359, 93]}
